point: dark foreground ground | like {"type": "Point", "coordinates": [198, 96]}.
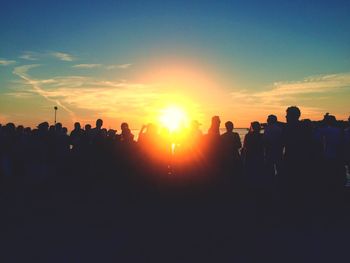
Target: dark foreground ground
{"type": "Point", "coordinates": [94, 219]}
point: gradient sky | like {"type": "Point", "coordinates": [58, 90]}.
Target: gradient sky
{"type": "Point", "coordinates": [126, 60]}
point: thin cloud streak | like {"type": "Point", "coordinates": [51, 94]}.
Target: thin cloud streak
{"type": "Point", "coordinates": [284, 94]}
{"type": "Point", "coordinates": [6, 62]}
{"type": "Point", "coordinates": [120, 66]}
{"type": "Point", "coordinates": [21, 72]}
{"type": "Point", "coordinates": [63, 56]}
{"type": "Point", "coordinates": [87, 66]}
{"type": "Point", "coordinates": [89, 96]}
{"type": "Point", "coordinates": [108, 67]}
{"type": "Point", "coordinates": [110, 98]}
{"type": "Point", "coordinates": [29, 55]}
{"type": "Point", "coordinates": [124, 66]}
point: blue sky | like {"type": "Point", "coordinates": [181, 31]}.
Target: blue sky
{"type": "Point", "coordinates": [250, 50]}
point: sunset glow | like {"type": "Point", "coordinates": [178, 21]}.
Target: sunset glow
{"type": "Point", "coordinates": [174, 118]}
{"type": "Point", "coordinates": [228, 59]}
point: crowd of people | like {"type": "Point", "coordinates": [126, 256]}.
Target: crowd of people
{"type": "Point", "coordinates": [296, 153]}
{"type": "Point", "coordinates": [278, 192]}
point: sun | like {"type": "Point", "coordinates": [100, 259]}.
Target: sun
{"type": "Point", "coordinates": [173, 118]}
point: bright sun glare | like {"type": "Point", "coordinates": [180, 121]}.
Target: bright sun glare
{"type": "Point", "coordinates": [173, 118]}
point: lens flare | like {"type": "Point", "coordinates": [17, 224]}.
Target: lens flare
{"type": "Point", "coordinates": [173, 118]}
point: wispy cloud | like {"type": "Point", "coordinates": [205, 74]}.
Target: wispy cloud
{"type": "Point", "coordinates": [29, 55]}
{"type": "Point", "coordinates": [283, 94]}
{"type": "Point", "coordinates": [124, 66]}
{"type": "Point", "coordinates": [6, 62]}
{"type": "Point", "coordinates": [63, 56]}
{"type": "Point", "coordinates": [90, 95]}
{"type": "Point", "coordinates": [87, 66]}
{"type": "Point", "coordinates": [21, 72]}
{"type": "Point", "coordinates": [20, 94]}
{"type": "Point", "coordinates": [108, 67]}
{"type": "Point", "coordinates": [120, 66]}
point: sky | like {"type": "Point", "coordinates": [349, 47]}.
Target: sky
{"type": "Point", "coordinates": [128, 60]}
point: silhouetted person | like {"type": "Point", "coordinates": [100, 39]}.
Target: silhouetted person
{"type": "Point", "coordinates": [78, 143]}
{"type": "Point", "coordinates": [7, 145]}
{"type": "Point", "coordinates": [99, 124]}
{"type": "Point", "coordinates": [76, 136]}
{"type": "Point", "coordinates": [87, 128]}
{"type": "Point", "coordinates": [152, 150]}
{"type": "Point", "coordinates": [299, 173]}
{"type": "Point", "coordinates": [126, 135]}
{"type": "Point", "coordinates": [62, 149]}
{"type": "Point", "coordinates": [253, 152]}
{"type": "Point", "coordinates": [19, 151]}
{"type": "Point", "coordinates": [347, 144]}
{"type": "Point", "coordinates": [332, 155]}
{"type": "Point", "coordinates": [273, 145]}
{"type": "Point", "coordinates": [65, 131]}
{"type": "Point", "coordinates": [212, 147]}
{"type": "Point", "coordinates": [87, 138]}
{"type": "Point", "coordinates": [214, 130]}
{"type": "Point", "coordinates": [96, 132]}
{"type": "Point", "coordinates": [148, 138]}
{"type": "Point", "coordinates": [230, 146]}
{"type": "Point", "coordinates": [296, 139]}
{"type": "Point", "coordinates": [41, 150]}
{"type": "Point", "coordinates": [231, 141]}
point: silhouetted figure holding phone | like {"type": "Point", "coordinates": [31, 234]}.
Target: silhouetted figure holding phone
{"type": "Point", "coordinates": [150, 149]}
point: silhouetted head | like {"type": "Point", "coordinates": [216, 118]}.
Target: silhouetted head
{"type": "Point", "coordinates": [215, 121]}
{"type": "Point", "coordinates": [307, 123]}
{"type": "Point", "coordinates": [77, 126]}
{"type": "Point", "coordinates": [58, 127]}
{"type": "Point", "coordinates": [124, 126]}
{"type": "Point", "coordinates": [99, 123]}
{"type": "Point", "coordinates": [271, 119]}
{"type": "Point", "coordinates": [111, 133]}
{"type": "Point", "coordinates": [27, 130]}
{"type": "Point", "coordinates": [330, 120]}
{"type": "Point", "coordinates": [19, 129]}
{"type": "Point", "coordinates": [215, 126]}
{"type": "Point", "coordinates": [44, 126]}
{"type": "Point", "coordinates": [255, 127]}
{"type": "Point", "coordinates": [87, 127]}
{"type": "Point", "coordinates": [293, 114]}
{"type": "Point", "coordinates": [64, 130]}
{"type": "Point", "coordinates": [349, 119]}
{"type": "Point", "coordinates": [10, 128]}
{"type": "Point", "coordinates": [229, 126]}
